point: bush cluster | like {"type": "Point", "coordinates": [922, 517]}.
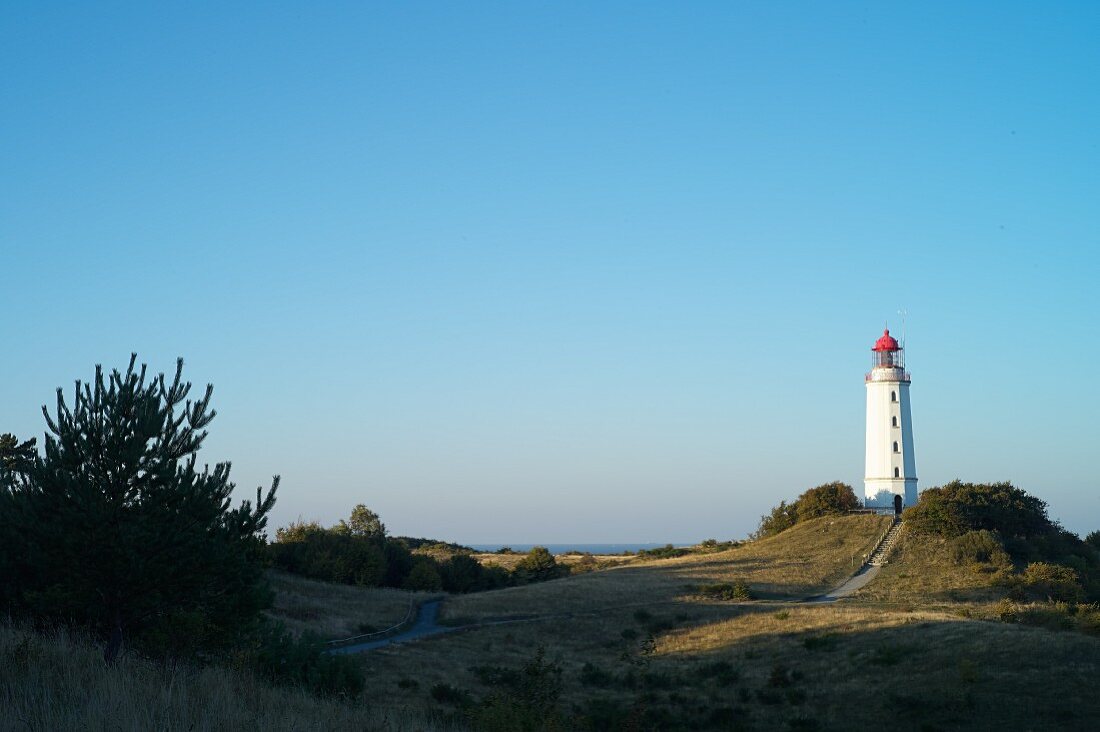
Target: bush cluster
{"type": "Point", "coordinates": [1002, 525]}
{"type": "Point", "coordinates": [738, 590]}
{"type": "Point", "coordinates": [281, 658]}
{"type": "Point", "coordinates": [824, 500]}
{"type": "Point", "coordinates": [338, 554]}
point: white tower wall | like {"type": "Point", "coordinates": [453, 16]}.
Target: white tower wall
{"type": "Point", "coordinates": [889, 468]}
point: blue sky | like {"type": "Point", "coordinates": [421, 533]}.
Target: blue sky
{"type": "Point", "coordinates": [527, 272]}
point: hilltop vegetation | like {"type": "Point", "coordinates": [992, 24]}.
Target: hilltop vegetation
{"type": "Point", "coordinates": [824, 500]}
{"type": "Point", "coordinates": [369, 558]}
{"type": "Point", "coordinates": [1007, 530]}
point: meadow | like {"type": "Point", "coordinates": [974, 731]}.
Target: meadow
{"type": "Point", "coordinates": [637, 646]}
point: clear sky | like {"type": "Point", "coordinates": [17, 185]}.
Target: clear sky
{"type": "Point", "coordinates": [564, 271]}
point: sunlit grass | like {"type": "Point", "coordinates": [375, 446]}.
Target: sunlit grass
{"type": "Point", "coordinates": [804, 560]}
{"type": "Point", "coordinates": [337, 611]}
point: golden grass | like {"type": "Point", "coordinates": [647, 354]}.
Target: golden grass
{"type": "Point", "coordinates": [846, 666]}
{"type": "Point", "coordinates": [921, 571]}
{"type": "Point", "coordinates": [850, 665]}
{"type": "Point", "coordinates": [858, 664]}
{"type": "Point", "coordinates": [509, 561]}
{"type": "Point", "coordinates": [337, 611]}
{"type": "Point", "coordinates": [806, 559]}
{"type": "Point", "coordinates": [57, 681]}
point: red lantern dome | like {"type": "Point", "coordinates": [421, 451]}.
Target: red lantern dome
{"type": "Point", "coordinates": [886, 342]}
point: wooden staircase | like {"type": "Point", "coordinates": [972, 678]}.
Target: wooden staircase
{"type": "Point", "coordinates": [878, 556]}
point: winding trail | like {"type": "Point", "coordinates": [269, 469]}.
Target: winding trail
{"type": "Point", "coordinates": [858, 580]}
{"type": "Point", "coordinates": [427, 615]}
{"type": "Point", "coordinates": [426, 623]}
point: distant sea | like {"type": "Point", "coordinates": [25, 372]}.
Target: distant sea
{"type": "Point", "coordinates": [563, 548]}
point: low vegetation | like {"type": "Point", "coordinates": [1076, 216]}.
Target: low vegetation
{"type": "Point", "coordinates": [334, 611]}
{"type": "Point", "coordinates": [347, 554]}
{"type": "Point", "coordinates": [806, 560]}
{"type": "Point", "coordinates": [55, 679]}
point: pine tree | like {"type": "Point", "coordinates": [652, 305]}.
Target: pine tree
{"type": "Point", "coordinates": [120, 530]}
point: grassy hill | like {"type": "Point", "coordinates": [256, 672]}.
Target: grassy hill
{"type": "Point", "coordinates": [337, 611]}
{"type": "Point", "coordinates": [922, 571]}
{"type": "Point", "coordinates": [635, 647]}
{"type": "Point", "coordinates": [638, 649]}
{"type": "Point", "coordinates": [806, 559]}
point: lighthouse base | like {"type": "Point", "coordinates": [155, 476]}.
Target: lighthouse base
{"type": "Point", "coordinates": [880, 492]}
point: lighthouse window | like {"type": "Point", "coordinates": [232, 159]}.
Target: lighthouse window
{"type": "Point", "coordinates": [893, 396]}
{"type": "Point", "coordinates": [895, 447]}
{"type": "Point", "coordinates": [897, 471]}
{"type": "Point", "coordinates": [894, 421]}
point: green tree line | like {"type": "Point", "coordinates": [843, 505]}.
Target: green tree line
{"type": "Point", "coordinates": [358, 552]}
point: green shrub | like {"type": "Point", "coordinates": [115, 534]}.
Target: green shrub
{"type": "Point", "coordinates": [978, 546]}
{"type": "Point", "coordinates": [956, 508]}
{"type": "Point", "coordinates": [738, 590]}
{"type": "Point", "coordinates": [1007, 611]}
{"type": "Point", "coordinates": [424, 576]}
{"type": "Point", "coordinates": [526, 701]}
{"type": "Point", "coordinates": [1088, 619]}
{"type": "Point", "coordinates": [823, 500]}
{"type": "Point", "coordinates": [1052, 581]}
{"type": "Point", "coordinates": [665, 552]}
{"type": "Point", "coordinates": [538, 566]}
{"type": "Point", "coordinates": [1050, 615]}
{"type": "Point", "coordinates": [279, 657]}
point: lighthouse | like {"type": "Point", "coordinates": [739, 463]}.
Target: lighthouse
{"type": "Point", "coordinates": [889, 469]}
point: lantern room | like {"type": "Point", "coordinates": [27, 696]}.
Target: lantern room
{"type": "Point", "coordinates": [887, 354]}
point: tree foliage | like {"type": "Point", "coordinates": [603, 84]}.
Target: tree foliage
{"type": "Point", "coordinates": [15, 458]}
{"type": "Point", "coordinates": [365, 522]}
{"type": "Point", "coordinates": [826, 499]}
{"type": "Point", "coordinates": [358, 552]}
{"type": "Point", "coordinates": [956, 508]}
{"type": "Point", "coordinates": [822, 500]}
{"type": "Point", "coordinates": [538, 566]}
{"type": "Point", "coordinates": [117, 528]}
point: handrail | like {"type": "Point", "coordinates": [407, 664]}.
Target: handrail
{"type": "Point", "coordinates": [408, 616]}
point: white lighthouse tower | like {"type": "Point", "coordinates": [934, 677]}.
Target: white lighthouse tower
{"type": "Point", "coordinates": [890, 469]}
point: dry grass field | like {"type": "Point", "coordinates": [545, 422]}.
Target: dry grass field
{"type": "Point", "coordinates": [634, 639]}
{"type": "Point", "coordinates": [57, 681]}
{"type": "Point", "coordinates": [806, 559]}
{"type": "Point", "coordinates": [337, 611]}
{"type": "Point", "coordinates": [509, 561]}
{"type": "Point", "coordinates": [922, 571]}
{"type": "Point", "coordinates": [638, 648]}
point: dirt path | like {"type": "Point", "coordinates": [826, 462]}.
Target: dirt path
{"type": "Point", "coordinates": [426, 623]}
{"type": "Point", "coordinates": [861, 578]}
{"type": "Point", "coordinates": [427, 615]}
